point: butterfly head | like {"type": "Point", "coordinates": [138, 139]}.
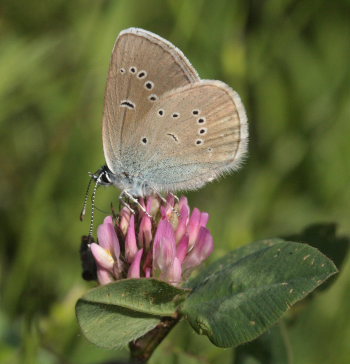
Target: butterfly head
{"type": "Point", "coordinates": [103, 176]}
{"type": "Point", "coordinates": [135, 186]}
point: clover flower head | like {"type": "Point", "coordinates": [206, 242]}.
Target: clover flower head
{"type": "Point", "coordinates": [165, 245]}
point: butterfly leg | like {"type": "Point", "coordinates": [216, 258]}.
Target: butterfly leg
{"type": "Point", "coordinates": [134, 200]}
{"type": "Point", "coordinates": [175, 197]}
{"type": "Point", "coordinates": [124, 203]}
{"type": "Point", "coordinates": [165, 201]}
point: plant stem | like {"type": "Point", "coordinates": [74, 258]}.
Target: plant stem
{"type": "Point", "coordinates": [142, 348]}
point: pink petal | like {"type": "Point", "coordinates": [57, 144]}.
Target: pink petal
{"type": "Point", "coordinates": [183, 203]}
{"type": "Point", "coordinates": [142, 203]}
{"type": "Point", "coordinates": [205, 244]}
{"type": "Point", "coordinates": [193, 226]}
{"type": "Point", "coordinates": [171, 200]}
{"type": "Point", "coordinates": [149, 204]}
{"type": "Point", "coordinates": [153, 205]}
{"type": "Point", "coordinates": [201, 251]}
{"type": "Point", "coordinates": [107, 237]}
{"type": "Point", "coordinates": [147, 264]}
{"type": "Point", "coordinates": [173, 273]}
{"type": "Point", "coordinates": [182, 248]}
{"type": "Point", "coordinates": [183, 220]}
{"type": "Point", "coordinates": [104, 276]}
{"type": "Point", "coordinates": [145, 232]}
{"type": "Point", "coordinates": [197, 220]}
{"type": "Point", "coordinates": [148, 272]}
{"type": "Point", "coordinates": [204, 219]}
{"type": "Point", "coordinates": [124, 219]}
{"type": "Point", "coordinates": [103, 259]}
{"type": "Point", "coordinates": [130, 241]}
{"type": "Point", "coordinates": [164, 246]}
{"type": "Point", "coordinates": [116, 247]}
{"type": "Point", "coordinates": [167, 210]}
{"type": "Point", "coordinates": [108, 220]}
{"type": "Point", "coordinates": [145, 229]}
{"type": "Point", "coordinates": [167, 253]}
{"type": "Point", "coordinates": [161, 230]}
{"type": "Point", "coordinates": [134, 270]}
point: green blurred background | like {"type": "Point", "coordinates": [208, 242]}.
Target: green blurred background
{"type": "Point", "coordinates": [289, 60]}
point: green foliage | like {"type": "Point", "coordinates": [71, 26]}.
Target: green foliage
{"type": "Point", "coordinates": [111, 326]}
{"type": "Point", "coordinates": [245, 294]}
{"type": "Point", "coordinates": [289, 62]}
{"type": "Point", "coordinates": [233, 301]}
{"type": "Point", "coordinates": [111, 316]}
{"type": "Point", "coordinates": [272, 347]}
{"type": "Point", "coordinates": [142, 295]}
{"type": "Point", "coordinates": [230, 259]}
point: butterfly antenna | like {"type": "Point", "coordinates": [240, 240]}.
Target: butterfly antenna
{"type": "Point", "coordinates": [83, 211]}
{"type": "Point", "coordinates": [98, 180]}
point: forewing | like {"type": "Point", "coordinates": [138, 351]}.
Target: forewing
{"type": "Point", "coordinates": [190, 136]}
{"type": "Point", "coordinates": [143, 67]}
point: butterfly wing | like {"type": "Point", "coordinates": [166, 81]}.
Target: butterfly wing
{"type": "Point", "coordinates": [143, 67]}
{"type": "Point", "coordinates": [189, 137]}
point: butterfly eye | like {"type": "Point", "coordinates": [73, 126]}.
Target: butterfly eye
{"type": "Point", "coordinates": [195, 112]}
{"type": "Point", "coordinates": [201, 120]}
{"type": "Point", "coordinates": [122, 70]}
{"type": "Point", "coordinates": [175, 115]}
{"type": "Point", "coordinates": [160, 112]}
{"type": "Point", "coordinates": [199, 141]}
{"type": "Point", "coordinates": [133, 69]}
{"type": "Point", "coordinates": [202, 131]}
{"type": "Point", "coordinates": [149, 85]}
{"type": "Point", "coordinates": [144, 140]}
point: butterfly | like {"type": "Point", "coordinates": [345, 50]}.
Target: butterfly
{"type": "Point", "coordinates": [164, 129]}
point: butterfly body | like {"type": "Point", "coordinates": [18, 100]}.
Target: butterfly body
{"type": "Point", "coordinates": [134, 185]}
{"type": "Point", "coordinates": [164, 129]}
